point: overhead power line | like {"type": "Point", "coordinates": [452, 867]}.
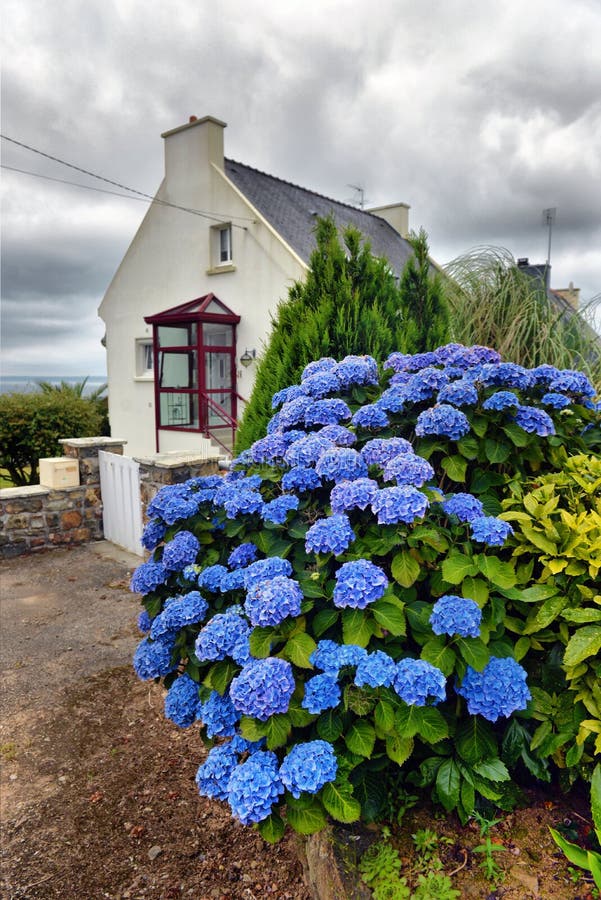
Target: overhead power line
{"type": "Point", "coordinates": [139, 194]}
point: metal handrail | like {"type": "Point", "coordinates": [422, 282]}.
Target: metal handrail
{"type": "Point", "coordinates": [223, 413]}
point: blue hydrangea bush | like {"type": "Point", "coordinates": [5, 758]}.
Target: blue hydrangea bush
{"type": "Point", "coordinates": [340, 612]}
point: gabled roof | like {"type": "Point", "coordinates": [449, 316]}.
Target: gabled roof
{"type": "Point", "coordinates": [293, 212]}
{"type": "Point", "coordinates": [206, 308]}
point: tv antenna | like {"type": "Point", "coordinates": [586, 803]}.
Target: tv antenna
{"type": "Point", "coordinates": [360, 199]}
{"type": "Point", "coordinates": [549, 216]}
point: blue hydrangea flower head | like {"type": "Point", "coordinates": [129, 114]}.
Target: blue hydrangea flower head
{"type": "Point", "coordinates": [321, 692]}
{"type": "Point", "coordinates": [242, 556]}
{"type": "Point", "coordinates": [454, 615]}
{"type": "Point", "coordinates": [394, 399]}
{"type": "Point", "coordinates": [144, 622]}
{"type": "Point", "coordinates": [425, 383]}
{"type": "Point", "coordinates": [219, 715]}
{"type": "Point", "coordinates": [243, 502]}
{"type": "Point", "coordinates": [325, 656]}
{"type": "Point", "coordinates": [465, 506]}
{"type": "Point", "coordinates": [182, 704]}
{"type": "Point", "coordinates": [277, 510]}
{"type": "Point", "coordinates": [254, 787]}
{"type": "Point", "coordinates": [556, 400]}
{"type": "Point", "coordinates": [269, 449]}
{"type": "Point", "coordinates": [458, 393]}
{"type": "Point", "coordinates": [180, 611]}
{"type": "Point", "coordinates": [379, 451]}
{"type": "Point", "coordinates": [570, 381]}
{"type": "Point", "coordinates": [408, 468]}
{"type": "Point", "coordinates": [399, 504]}
{"type": "Point", "coordinates": [263, 688]}
{"type": "Point", "coordinates": [499, 690]}
{"type": "Point", "coordinates": [191, 572]}
{"type": "Point", "coordinates": [330, 657]}
{"type": "Point", "coordinates": [371, 416]}
{"type": "Point", "coordinates": [340, 435]}
{"type": "Point", "coordinates": [293, 412]}
{"type": "Point", "coordinates": [443, 420]}
{"type": "Point", "coordinates": [152, 659]}
{"type": "Point", "coordinates": [341, 464]}
{"type": "Point", "coordinates": [308, 767]}
{"type": "Point", "coordinates": [506, 374]}
{"type": "Point", "coordinates": [301, 479]}
{"type": "Point", "coordinates": [270, 602]}
{"type": "Point", "coordinates": [226, 634]}
{"type": "Point", "coordinates": [153, 534]}
{"type": "Point", "coordinates": [326, 412]}
{"type": "Point", "coordinates": [307, 451]}
{"type": "Point", "coordinates": [544, 374]}
{"type": "Point", "coordinates": [264, 569]}
{"type": "Point", "coordinates": [416, 681]}
{"type": "Point", "coordinates": [148, 577]}
{"type": "Point", "coordinates": [181, 551]}
{"type": "Point", "coordinates": [211, 577]}
{"type": "Point", "coordinates": [500, 401]}
{"type": "Point", "coordinates": [377, 669]}
{"type": "Point", "coordinates": [214, 774]}
{"type": "Point", "coordinates": [357, 370]}
{"type": "Point", "coordinates": [359, 583]}
{"type": "Point", "coordinates": [326, 364]}
{"type": "Point", "coordinates": [321, 384]}
{"type": "Point", "coordinates": [233, 581]}
{"type": "Point", "coordinates": [286, 394]}
{"type": "Point", "coordinates": [331, 535]}
{"type": "Point", "coordinates": [357, 494]}
{"type": "Point", "coordinates": [490, 530]}
{"type": "Point", "coordinates": [534, 421]}
{"type": "Point", "coordinates": [172, 503]}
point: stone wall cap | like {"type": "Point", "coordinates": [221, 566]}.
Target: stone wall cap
{"type": "Point", "coordinates": [28, 490]}
{"type": "Point", "coordinates": [93, 442]}
{"type": "Point", "coordinates": [174, 458]}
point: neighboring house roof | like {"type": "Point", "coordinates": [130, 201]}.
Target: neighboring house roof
{"type": "Point", "coordinates": [293, 212]}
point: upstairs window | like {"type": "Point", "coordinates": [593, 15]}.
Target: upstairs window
{"type": "Point", "coordinates": [221, 252]}
{"type": "Point", "coordinates": [225, 244]}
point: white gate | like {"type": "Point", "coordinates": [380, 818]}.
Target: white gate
{"type": "Point", "coordinates": [122, 508]}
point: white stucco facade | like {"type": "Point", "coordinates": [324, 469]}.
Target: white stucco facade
{"type": "Point", "coordinates": [173, 259]}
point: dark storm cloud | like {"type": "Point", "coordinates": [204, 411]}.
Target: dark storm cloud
{"type": "Point", "coordinates": [479, 116]}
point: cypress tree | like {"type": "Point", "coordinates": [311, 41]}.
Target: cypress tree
{"type": "Point", "coordinates": [349, 303]}
{"type": "Point", "coordinates": [425, 310]}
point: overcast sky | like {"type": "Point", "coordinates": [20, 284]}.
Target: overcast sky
{"type": "Point", "coordinates": [479, 114]}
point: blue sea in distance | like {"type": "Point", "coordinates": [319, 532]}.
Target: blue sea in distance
{"type": "Point", "coordinates": [26, 384]}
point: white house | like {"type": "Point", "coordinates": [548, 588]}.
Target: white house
{"type": "Point", "coordinates": [189, 306]}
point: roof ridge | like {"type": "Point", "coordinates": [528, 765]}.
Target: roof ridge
{"type": "Point", "coordinates": [299, 187]}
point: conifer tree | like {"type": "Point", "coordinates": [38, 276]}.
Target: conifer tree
{"type": "Point", "coordinates": [349, 304]}
{"type": "Point", "coordinates": [425, 311]}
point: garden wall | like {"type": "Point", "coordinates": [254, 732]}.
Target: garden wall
{"type": "Point", "coordinates": [36, 517]}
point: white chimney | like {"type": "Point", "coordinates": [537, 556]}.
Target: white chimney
{"type": "Point", "coordinates": [396, 214]}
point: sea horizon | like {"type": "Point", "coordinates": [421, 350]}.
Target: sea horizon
{"type": "Point", "coordinates": [28, 384]}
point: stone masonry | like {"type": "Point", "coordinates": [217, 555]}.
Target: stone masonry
{"type": "Point", "coordinates": [38, 518]}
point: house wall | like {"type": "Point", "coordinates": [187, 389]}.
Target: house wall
{"type": "Point", "coordinates": [170, 261]}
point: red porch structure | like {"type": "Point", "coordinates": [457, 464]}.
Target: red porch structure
{"type": "Point", "coordinates": [194, 346]}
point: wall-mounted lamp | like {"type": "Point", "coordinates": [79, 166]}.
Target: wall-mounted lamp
{"type": "Point", "coordinates": [248, 357]}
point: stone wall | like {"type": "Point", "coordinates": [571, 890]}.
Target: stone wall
{"type": "Point", "coordinates": [38, 517]}
{"type": "Point", "coordinates": [170, 468]}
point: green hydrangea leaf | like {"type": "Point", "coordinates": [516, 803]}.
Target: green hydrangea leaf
{"type": "Point", "coordinates": [405, 569]}
{"type": "Point", "coordinates": [360, 738]}
{"type": "Point", "coordinates": [340, 803]}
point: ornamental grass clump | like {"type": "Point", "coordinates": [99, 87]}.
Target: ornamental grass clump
{"type": "Point", "coordinates": [361, 593]}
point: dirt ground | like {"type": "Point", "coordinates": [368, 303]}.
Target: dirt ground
{"type": "Point", "coordinates": [97, 788]}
